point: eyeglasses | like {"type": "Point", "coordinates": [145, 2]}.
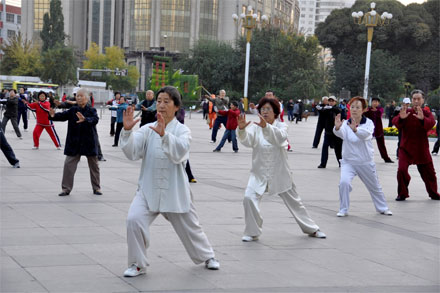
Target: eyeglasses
{"type": "Point", "coordinates": [266, 109]}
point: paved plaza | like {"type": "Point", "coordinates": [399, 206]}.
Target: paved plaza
{"type": "Point", "coordinates": [77, 243]}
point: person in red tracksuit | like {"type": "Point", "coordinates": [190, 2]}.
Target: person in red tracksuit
{"type": "Point", "coordinates": [231, 125]}
{"type": "Point", "coordinates": [414, 125]}
{"type": "Point", "coordinates": [41, 108]}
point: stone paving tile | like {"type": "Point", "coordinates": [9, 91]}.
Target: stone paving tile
{"type": "Point", "coordinates": [77, 243]}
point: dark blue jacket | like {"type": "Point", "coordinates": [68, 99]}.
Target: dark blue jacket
{"type": "Point", "coordinates": [80, 139]}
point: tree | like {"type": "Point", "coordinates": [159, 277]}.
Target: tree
{"type": "Point", "coordinates": [52, 33]}
{"type": "Point", "coordinates": [20, 57]}
{"type": "Point", "coordinates": [412, 36]}
{"type": "Point", "coordinates": [59, 65]}
{"type": "Point", "coordinates": [112, 59]}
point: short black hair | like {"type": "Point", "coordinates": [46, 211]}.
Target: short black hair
{"type": "Point", "coordinates": [270, 91]}
{"type": "Point", "coordinates": [42, 92]}
{"type": "Point", "coordinates": [234, 103]}
{"type": "Point", "coordinates": [173, 93]}
{"type": "Point", "coordinates": [15, 91]}
{"type": "Point", "coordinates": [273, 102]}
{"type": "Point", "coordinates": [117, 93]}
{"type": "Point", "coordinates": [375, 99]}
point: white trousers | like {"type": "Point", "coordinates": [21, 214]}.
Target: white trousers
{"type": "Point", "coordinates": [367, 173]}
{"type": "Point", "coordinates": [186, 226]}
{"type": "Point", "coordinates": [254, 221]}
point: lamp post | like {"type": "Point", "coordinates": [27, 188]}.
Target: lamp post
{"type": "Point", "coordinates": [249, 22]}
{"type": "Point", "coordinates": [371, 19]}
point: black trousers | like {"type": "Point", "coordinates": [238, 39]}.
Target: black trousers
{"type": "Point", "coordinates": [331, 140]}
{"type": "Point", "coordinates": [7, 150]}
{"type": "Point", "coordinates": [112, 125]}
{"type": "Point", "coordinates": [188, 171]}
{"type": "Point", "coordinates": [119, 127]}
{"type": "Point", "coordinates": [318, 133]}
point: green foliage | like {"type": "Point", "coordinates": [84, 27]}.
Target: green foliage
{"type": "Point", "coordinates": [20, 57]}
{"type": "Point", "coordinates": [284, 62]}
{"type": "Point", "coordinates": [52, 33]}
{"type": "Point", "coordinates": [59, 65]}
{"type": "Point", "coordinates": [188, 86]}
{"type": "Point", "coordinates": [409, 45]}
{"type": "Point", "coordinates": [112, 59]}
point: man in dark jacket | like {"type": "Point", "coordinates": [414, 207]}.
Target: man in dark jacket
{"type": "Point", "coordinates": [148, 107]}
{"type": "Point", "coordinates": [22, 109]}
{"type": "Point", "coordinates": [330, 139]}
{"type": "Point", "coordinates": [11, 112]}
{"type": "Point", "coordinates": [80, 141]}
{"type": "Point", "coordinates": [321, 122]}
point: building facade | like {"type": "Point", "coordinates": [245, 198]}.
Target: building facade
{"type": "Point", "coordinates": [144, 28]}
{"type": "Point", "coordinates": [313, 12]}
{"type": "Point", "coordinates": [10, 22]}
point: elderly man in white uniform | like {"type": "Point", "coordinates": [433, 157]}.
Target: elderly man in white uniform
{"type": "Point", "coordinates": [163, 186]}
{"type": "Point", "coordinates": [270, 170]}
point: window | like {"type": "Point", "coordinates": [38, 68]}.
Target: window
{"type": "Point", "coordinates": [9, 17]}
{"type": "Point", "coordinates": [11, 33]}
{"type": "Point", "coordinates": [140, 26]}
{"type": "Point", "coordinates": [19, 19]}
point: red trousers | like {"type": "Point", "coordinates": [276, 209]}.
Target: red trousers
{"type": "Point", "coordinates": [52, 133]}
{"type": "Point", "coordinates": [382, 148]}
{"type": "Point", "coordinates": [426, 171]}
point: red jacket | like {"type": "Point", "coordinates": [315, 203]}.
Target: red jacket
{"type": "Point", "coordinates": [414, 140]}
{"type": "Point", "coordinates": [232, 122]}
{"type": "Point", "coordinates": [42, 111]}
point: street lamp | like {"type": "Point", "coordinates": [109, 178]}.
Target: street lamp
{"type": "Point", "coordinates": [249, 22]}
{"type": "Point", "coordinates": [164, 44]}
{"type": "Point", "coordinates": [371, 19]}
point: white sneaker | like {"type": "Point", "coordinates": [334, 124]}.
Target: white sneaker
{"type": "Point", "coordinates": [341, 214]}
{"type": "Point", "coordinates": [318, 234]}
{"type": "Point", "coordinates": [212, 264]}
{"type": "Point", "coordinates": [35, 148]}
{"type": "Point", "coordinates": [134, 271]}
{"type": "Point", "coordinates": [58, 148]}
{"type": "Point", "coordinates": [246, 238]}
{"type": "Point", "coordinates": [387, 212]}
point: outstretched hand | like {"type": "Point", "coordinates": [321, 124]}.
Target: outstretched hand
{"type": "Point", "coordinates": [419, 113]}
{"type": "Point", "coordinates": [127, 119]}
{"type": "Point", "coordinates": [160, 126]}
{"type": "Point", "coordinates": [81, 117]}
{"type": "Point", "coordinates": [338, 122]}
{"type": "Point", "coordinates": [403, 114]}
{"type": "Point", "coordinates": [241, 119]}
{"type": "Point", "coordinates": [353, 124]}
{"type": "Point", "coordinates": [262, 122]}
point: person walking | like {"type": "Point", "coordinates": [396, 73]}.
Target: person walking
{"type": "Point", "coordinates": [414, 125]}
{"type": "Point", "coordinates": [374, 113]}
{"type": "Point", "coordinates": [80, 141]}
{"type": "Point", "coordinates": [11, 112]}
{"type": "Point", "coordinates": [163, 187]}
{"type": "Point", "coordinates": [114, 113]}
{"type": "Point", "coordinates": [330, 139]}
{"type": "Point", "coordinates": [321, 122]}
{"type": "Point", "coordinates": [290, 106]}
{"type": "Point", "coordinates": [231, 125]}
{"type": "Point", "coordinates": [220, 103]}
{"type": "Point", "coordinates": [8, 151]}
{"type": "Point", "coordinates": [270, 170]}
{"type": "Point", "coordinates": [358, 157]}
{"type": "Point", "coordinates": [42, 109]}
{"type": "Point", "coordinates": [22, 109]}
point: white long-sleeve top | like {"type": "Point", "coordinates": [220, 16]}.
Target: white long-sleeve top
{"type": "Point", "coordinates": [163, 181]}
{"type": "Point", "coordinates": [357, 148]}
{"type": "Point", "coordinates": [270, 169]}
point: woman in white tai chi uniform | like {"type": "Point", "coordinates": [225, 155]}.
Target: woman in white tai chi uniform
{"type": "Point", "coordinates": [270, 170]}
{"type": "Point", "coordinates": [357, 157]}
{"type": "Point", "coordinates": [163, 186]}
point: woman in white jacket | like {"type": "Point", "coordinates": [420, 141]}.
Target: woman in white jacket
{"type": "Point", "coordinates": [163, 186]}
{"type": "Point", "coordinates": [270, 170]}
{"type": "Point", "coordinates": [357, 157]}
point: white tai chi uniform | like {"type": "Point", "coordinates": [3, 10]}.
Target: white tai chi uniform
{"type": "Point", "coordinates": [357, 159]}
{"type": "Point", "coordinates": [270, 173]}
{"type": "Point", "coordinates": [163, 188]}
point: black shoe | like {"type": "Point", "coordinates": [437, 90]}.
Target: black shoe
{"type": "Point", "coordinates": [314, 147]}
{"type": "Point", "coordinates": [435, 197]}
{"type": "Point", "coordinates": [64, 193]}
{"type": "Point", "coordinates": [321, 166]}
{"type": "Point", "coordinates": [97, 192]}
{"type": "Point", "coordinates": [102, 159]}
{"type": "Point", "coordinates": [389, 161]}
{"type": "Point", "coordinates": [400, 198]}
{"type": "Point", "coordinates": [216, 151]}
{"type": "Point", "coordinates": [115, 145]}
